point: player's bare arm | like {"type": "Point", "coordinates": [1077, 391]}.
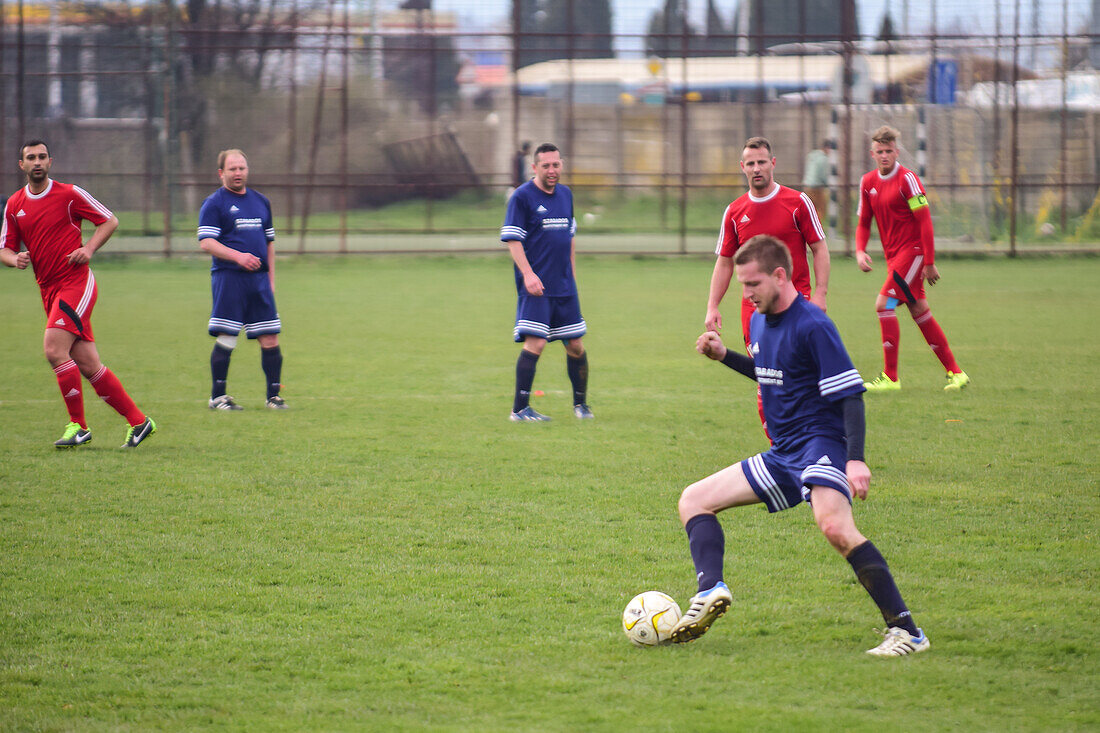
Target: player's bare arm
{"type": "Point", "coordinates": [99, 238]}
{"type": "Point", "coordinates": [18, 260]}
{"type": "Point", "coordinates": [719, 284]}
{"type": "Point", "coordinates": [215, 248]}
{"type": "Point", "coordinates": [271, 263]}
{"type": "Point", "coordinates": [820, 251]}
{"type": "Point", "coordinates": [531, 282]}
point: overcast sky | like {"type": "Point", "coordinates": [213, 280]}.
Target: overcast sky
{"type": "Point", "coordinates": [914, 16]}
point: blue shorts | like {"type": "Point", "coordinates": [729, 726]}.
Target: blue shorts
{"type": "Point", "coordinates": [782, 480]}
{"type": "Point", "coordinates": [549, 317]}
{"type": "Point", "coordinates": [242, 301]}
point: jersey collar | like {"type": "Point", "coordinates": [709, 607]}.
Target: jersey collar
{"type": "Point", "coordinates": [762, 199]}
{"type": "Point", "coordinates": [49, 187]}
{"type": "Point", "coordinates": [891, 174]}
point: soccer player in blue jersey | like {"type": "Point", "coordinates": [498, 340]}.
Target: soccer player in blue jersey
{"type": "Point", "coordinates": [814, 406]}
{"type": "Point", "coordinates": [236, 229]}
{"type": "Point", "coordinates": [539, 230]}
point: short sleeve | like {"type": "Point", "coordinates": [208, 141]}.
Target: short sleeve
{"type": "Point", "coordinates": [515, 220]}
{"type": "Point", "coordinates": [728, 241]}
{"type": "Point", "coordinates": [837, 377]}
{"type": "Point", "coordinates": [209, 221]}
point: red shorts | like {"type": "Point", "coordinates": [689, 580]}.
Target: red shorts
{"type": "Point", "coordinates": [905, 277]}
{"type": "Point", "coordinates": [69, 306]}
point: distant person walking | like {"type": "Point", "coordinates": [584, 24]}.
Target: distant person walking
{"type": "Point", "coordinates": [815, 179]}
{"type": "Point", "coordinates": [893, 196]}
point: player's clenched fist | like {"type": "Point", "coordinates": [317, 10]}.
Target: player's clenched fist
{"type": "Point", "coordinates": [710, 344]}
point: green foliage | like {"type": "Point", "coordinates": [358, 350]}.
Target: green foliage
{"type": "Point", "coordinates": [392, 554]}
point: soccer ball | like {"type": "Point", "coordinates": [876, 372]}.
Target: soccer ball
{"type": "Point", "coordinates": [649, 618]}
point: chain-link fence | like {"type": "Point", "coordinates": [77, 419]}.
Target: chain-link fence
{"type": "Point", "coordinates": [374, 127]}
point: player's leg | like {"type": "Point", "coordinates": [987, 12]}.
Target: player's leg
{"type": "Point", "coordinates": [747, 309]}
{"type": "Point", "coordinates": [532, 329]}
{"type": "Point", "coordinates": [937, 341]}
{"type": "Point", "coordinates": [225, 324]}
{"type": "Point", "coordinates": [263, 324]}
{"type": "Point", "coordinates": [271, 360]}
{"type": "Point", "coordinates": [698, 507]}
{"type": "Point", "coordinates": [833, 514]}
{"type": "Point", "coordinates": [56, 343]}
{"type": "Point", "coordinates": [885, 309]}
{"type": "Point", "coordinates": [111, 391]}
{"type": "Point", "coordinates": [576, 366]}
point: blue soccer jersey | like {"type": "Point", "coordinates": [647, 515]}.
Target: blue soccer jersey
{"type": "Point", "coordinates": [545, 225]}
{"type": "Point", "coordinates": [803, 371]}
{"type": "Point", "coordinates": [240, 221]}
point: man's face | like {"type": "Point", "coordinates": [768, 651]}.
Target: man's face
{"type": "Point", "coordinates": [759, 168]}
{"type": "Point", "coordinates": [35, 163]}
{"type": "Point", "coordinates": [547, 169]}
{"type": "Point", "coordinates": [759, 287]}
{"type": "Point", "coordinates": [235, 173]}
{"type": "Point", "coordinates": [885, 156]}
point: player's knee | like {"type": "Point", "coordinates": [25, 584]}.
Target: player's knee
{"type": "Point", "coordinates": [841, 534]}
{"type": "Point", "coordinates": [691, 502]}
{"type": "Point", "coordinates": [226, 341]}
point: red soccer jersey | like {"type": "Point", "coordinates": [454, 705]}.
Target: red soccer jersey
{"type": "Point", "coordinates": [49, 225]}
{"type": "Point", "coordinates": [785, 214]}
{"type": "Point", "coordinates": [886, 198]}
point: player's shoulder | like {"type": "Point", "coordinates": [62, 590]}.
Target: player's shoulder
{"type": "Point", "coordinates": [256, 194]}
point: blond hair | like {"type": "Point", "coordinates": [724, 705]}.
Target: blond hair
{"type": "Point", "coordinates": [885, 135]}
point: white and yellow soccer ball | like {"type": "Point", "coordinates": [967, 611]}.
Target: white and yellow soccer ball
{"type": "Point", "coordinates": [649, 618]}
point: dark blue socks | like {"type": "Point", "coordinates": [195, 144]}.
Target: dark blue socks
{"type": "Point", "coordinates": [874, 575]}
{"type": "Point", "coordinates": [708, 548]}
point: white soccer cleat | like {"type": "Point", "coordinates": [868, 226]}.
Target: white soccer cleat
{"type": "Point", "coordinates": [225, 402]}
{"type": "Point", "coordinates": [705, 608]}
{"type": "Point", "coordinates": [899, 643]}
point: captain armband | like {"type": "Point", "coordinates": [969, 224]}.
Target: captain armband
{"type": "Point", "coordinates": [918, 201]}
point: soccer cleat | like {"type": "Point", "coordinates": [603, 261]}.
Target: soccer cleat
{"type": "Point", "coordinates": [883, 383]}
{"type": "Point", "coordinates": [899, 642]}
{"type": "Point", "coordinates": [276, 403]}
{"type": "Point", "coordinates": [705, 607]}
{"type": "Point", "coordinates": [528, 414]}
{"type": "Point", "coordinates": [581, 412]}
{"type": "Point", "coordinates": [956, 381]}
{"type": "Point", "coordinates": [138, 433]}
{"type": "Point", "coordinates": [74, 436]}
{"type": "Point", "coordinates": [225, 402]}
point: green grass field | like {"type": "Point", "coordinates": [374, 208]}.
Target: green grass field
{"type": "Point", "coordinates": [392, 554]}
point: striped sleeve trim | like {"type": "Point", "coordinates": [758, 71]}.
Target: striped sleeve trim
{"type": "Point", "coordinates": [91, 201]}
{"type": "Point", "coordinates": [839, 382]}
{"type": "Point", "coordinates": [818, 229]}
{"type": "Point", "coordinates": [209, 232]}
{"type": "Point", "coordinates": [270, 234]}
{"type": "Point", "coordinates": [722, 230]}
{"type": "Point", "coordinates": [513, 234]}
{"type": "Point", "coordinates": [913, 185]}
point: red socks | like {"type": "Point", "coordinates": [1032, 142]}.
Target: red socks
{"type": "Point", "coordinates": [68, 380]}
{"type": "Point", "coordinates": [935, 337]}
{"type": "Point", "coordinates": [891, 332]}
{"type": "Point", "coordinates": [108, 387]}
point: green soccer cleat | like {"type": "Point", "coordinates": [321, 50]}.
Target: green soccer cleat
{"type": "Point", "coordinates": [956, 381]}
{"type": "Point", "coordinates": [883, 383]}
{"type": "Point", "coordinates": [138, 433]}
{"type": "Point", "coordinates": [74, 436]}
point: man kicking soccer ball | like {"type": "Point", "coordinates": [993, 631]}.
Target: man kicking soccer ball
{"type": "Point", "coordinates": [813, 403]}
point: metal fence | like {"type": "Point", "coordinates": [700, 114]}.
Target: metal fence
{"type": "Point", "coordinates": [378, 128]}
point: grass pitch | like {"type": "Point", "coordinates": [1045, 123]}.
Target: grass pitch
{"type": "Point", "coordinates": [392, 554]}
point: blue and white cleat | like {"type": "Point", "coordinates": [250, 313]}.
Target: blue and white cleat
{"type": "Point", "coordinates": [704, 609]}
{"type": "Point", "coordinates": [582, 412]}
{"type": "Point", "coordinates": [528, 414]}
{"type": "Point", "coordinates": [899, 643]}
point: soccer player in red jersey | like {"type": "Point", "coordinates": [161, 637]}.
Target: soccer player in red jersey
{"type": "Point", "coordinates": [893, 195]}
{"type": "Point", "coordinates": [45, 217]}
{"type": "Point", "coordinates": [777, 211]}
